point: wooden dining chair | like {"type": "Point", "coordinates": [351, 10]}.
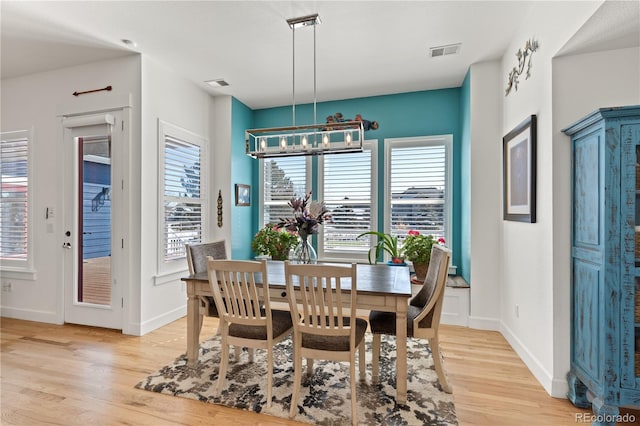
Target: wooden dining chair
{"type": "Point", "coordinates": [197, 262]}
{"type": "Point", "coordinates": [423, 314]}
{"type": "Point", "coordinates": [324, 324]}
{"type": "Point", "coordinates": [241, 293]}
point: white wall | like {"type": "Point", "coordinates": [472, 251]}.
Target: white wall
{"type": "Point", "coordinates": [173, 99]}
{"type": "Point", "coordinates": [220, 118]}
{"type": "Point", "coordinates": [581, 84]}
{"type": "Point", "coordinates": [527, 263]}
{"type": "Point", "coordinates": [486, 208]}
{"type": "Point", "coordinates": [35, 102]}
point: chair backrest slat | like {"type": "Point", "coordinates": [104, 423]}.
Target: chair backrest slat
{"type": "Point", "coordinates": [320, 292]}
{"type": "Point", "coordinates": [237, 292]}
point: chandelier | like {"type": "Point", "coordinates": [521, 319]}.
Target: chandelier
{"type": "Point", "coordinates": [311, 139]}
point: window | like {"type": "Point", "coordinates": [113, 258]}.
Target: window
{"type": "Point", "coordinates": [184, 203]}
{"type": "Point", "coordinates": [346, 185]}
{"type": "Point", "coordinates": [418, 185]}
{"type": "Point", "coordinates": [14, 201]}
{"type": "Point", "coordinates": [282, 178]}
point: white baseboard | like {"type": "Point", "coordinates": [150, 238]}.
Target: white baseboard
{"type": "Point", "coordinates": [535, 366]}
{"type": "Point", "coordinates": [483, 323]}
{"type": "Point", "coordinates": [29, 315]}
{"type": "Point", "coordinates": [159, 321]}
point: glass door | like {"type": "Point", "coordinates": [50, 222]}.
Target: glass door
{"type": "Point", "coordinates": [92, 294]}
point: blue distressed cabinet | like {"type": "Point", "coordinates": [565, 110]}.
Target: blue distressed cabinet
{"type": "Point", "coordinates": [605, 262]}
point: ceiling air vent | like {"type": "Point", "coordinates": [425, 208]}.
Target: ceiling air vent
{"type": "Point", "coordinates": [217, 83]}
{"type": "Point", "coordinates": [450, 49]}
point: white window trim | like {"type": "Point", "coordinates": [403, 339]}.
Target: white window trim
{"type": "Point", "coordinates": [353, 256]}
{"type": "Point", "coordinates": [24, 269]}
{"type": "Point", "coordinates": [307, 184]}
{"type": "Point", "coordinates": [447, 141]}
{"type": "Point", "coordinates": [167, 269]}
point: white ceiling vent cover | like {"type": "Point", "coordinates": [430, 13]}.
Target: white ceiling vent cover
{"type": "Point", "coordinates": [450, 49]}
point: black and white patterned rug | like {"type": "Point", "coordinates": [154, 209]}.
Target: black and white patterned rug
{"type": "Point", "coordinates": [324, 396]}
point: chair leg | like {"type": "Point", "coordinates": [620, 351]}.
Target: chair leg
{"type": "Point", "coordinates": [438, 363]}
{"type": "Point", "coordinates": [269, 374]}
{"type": "Point", "coordinates": [352, 380]}
{"type": "Point", "coordinates": [375, 357]}
{"type": "Point", "coordinates": [362, 362]}
{"type": "Point", "coordinates": [237, 351]}
{"type": "Point", "coordinates": [297, 378]}
{"type": "Point", "coordinates": [309, 366]}
{"type": "Point", "coordinates": [224, 361]}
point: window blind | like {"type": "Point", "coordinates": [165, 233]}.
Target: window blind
{"type": "Point", "coordinates": [14, 217]}
{"type": "Point", "coordinates": [347, 194]}
{"type": "Point", "coordinates": [183, 210]}
{"type": "Point", "coordinates": [418, 190]}
{"type": "Point", "coordinates": [283, 178]}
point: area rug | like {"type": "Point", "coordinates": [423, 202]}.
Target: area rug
{"type": "Point", "coordinates": [324, 397]}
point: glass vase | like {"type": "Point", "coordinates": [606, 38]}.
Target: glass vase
{"type": "Point", "coordinates": [304, 253]}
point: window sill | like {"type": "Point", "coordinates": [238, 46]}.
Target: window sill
{"type": "Point", "coordinates": [18, 274]}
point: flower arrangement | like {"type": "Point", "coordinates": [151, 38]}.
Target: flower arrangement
{"type": "Point", "coordinates": [274, 242]}
{"type": "Point", "coordinates": [307, 216]}
{"type": "Point", "coordinates": [416, 247]}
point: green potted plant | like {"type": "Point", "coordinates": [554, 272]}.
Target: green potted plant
{"type": "Point", "coordinates": [274, 242]}
{"type": "Point", "coordinates": [416, 248]}
{"type": "Point", "coordinates": [386, 243]}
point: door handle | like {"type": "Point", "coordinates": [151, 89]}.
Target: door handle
{"type": "Point", "coordinates": [66, 245]}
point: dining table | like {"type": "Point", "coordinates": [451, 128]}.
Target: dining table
{"type": "Point", "coordinates": [380, 287]}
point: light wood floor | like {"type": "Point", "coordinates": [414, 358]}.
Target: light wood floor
{"type": "Point", "coordinates": [76, 375]}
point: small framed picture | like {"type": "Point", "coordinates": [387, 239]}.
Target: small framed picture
{"type": "Point", "coordinates": [519, 172]}
{"type": "Point", "coordinates": [243, 195]}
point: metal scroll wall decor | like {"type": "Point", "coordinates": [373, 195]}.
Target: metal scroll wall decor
{"type": "Point", "coordinates": [219, 208]}
{"type": "Point", "coordinates": [524, 60]}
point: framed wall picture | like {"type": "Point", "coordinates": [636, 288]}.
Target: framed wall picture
{"type": "Point", "coordinates": [243, 195]}
{"type": "Point", "coordinates": [519, 172]}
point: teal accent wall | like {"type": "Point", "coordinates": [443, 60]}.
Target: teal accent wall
{"type": "Point", "coordinates": [464, 267]}
{"type": "Point", "coordinates": [243, 168]}
{"type": "Point", "coordinates": [424, 113]}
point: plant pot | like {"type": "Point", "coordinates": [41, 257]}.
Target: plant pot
{"type": "Point", "coordinates": [397, 261]}
{"type": "Point", "coordinates": [280, 256]}
{"type": "Point", "coordinates": [421, 271]}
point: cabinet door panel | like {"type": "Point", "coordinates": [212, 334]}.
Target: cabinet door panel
{"type": "Point", "coordinates": [586, 217]}
{"type": "Point", "coordinates": [586, 318]}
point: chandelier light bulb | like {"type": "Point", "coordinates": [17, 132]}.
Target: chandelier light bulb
{"type": "Point", "coordinates": [263, 144]}
{"type": "Point", "coordinates": [348, 138]}
{"type": "Point", "coordinates": [304, 141]}
{"type": "Point", "coordinates": [283, 142]}
{"type": "Point", "coordinates": [325, 140]}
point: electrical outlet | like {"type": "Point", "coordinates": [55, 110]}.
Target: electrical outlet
{"type": "Point", "coordinates": [6, 286]}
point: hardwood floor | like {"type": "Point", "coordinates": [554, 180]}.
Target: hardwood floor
{"type": "Point", "coordinates": [76, 375]}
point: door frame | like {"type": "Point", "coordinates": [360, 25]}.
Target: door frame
{"type": "Point", "coordinates": [121, 231]}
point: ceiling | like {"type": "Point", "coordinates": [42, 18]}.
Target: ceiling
{"type": "Point", "coordinates": [364, 48]}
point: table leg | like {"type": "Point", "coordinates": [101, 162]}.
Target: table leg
{"type": "Point", "coordinates": [401, 350]}
{"type": "Point", "coordinates": [193, 329]}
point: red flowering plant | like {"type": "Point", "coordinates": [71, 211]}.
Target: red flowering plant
{"type": "Point", "coordinates": [416, 247]}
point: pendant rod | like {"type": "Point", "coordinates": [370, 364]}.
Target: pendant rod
{"type": "Point", "coordinates": [315, 121]}
{"type": "Point", "coordinates": [293, 79]}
